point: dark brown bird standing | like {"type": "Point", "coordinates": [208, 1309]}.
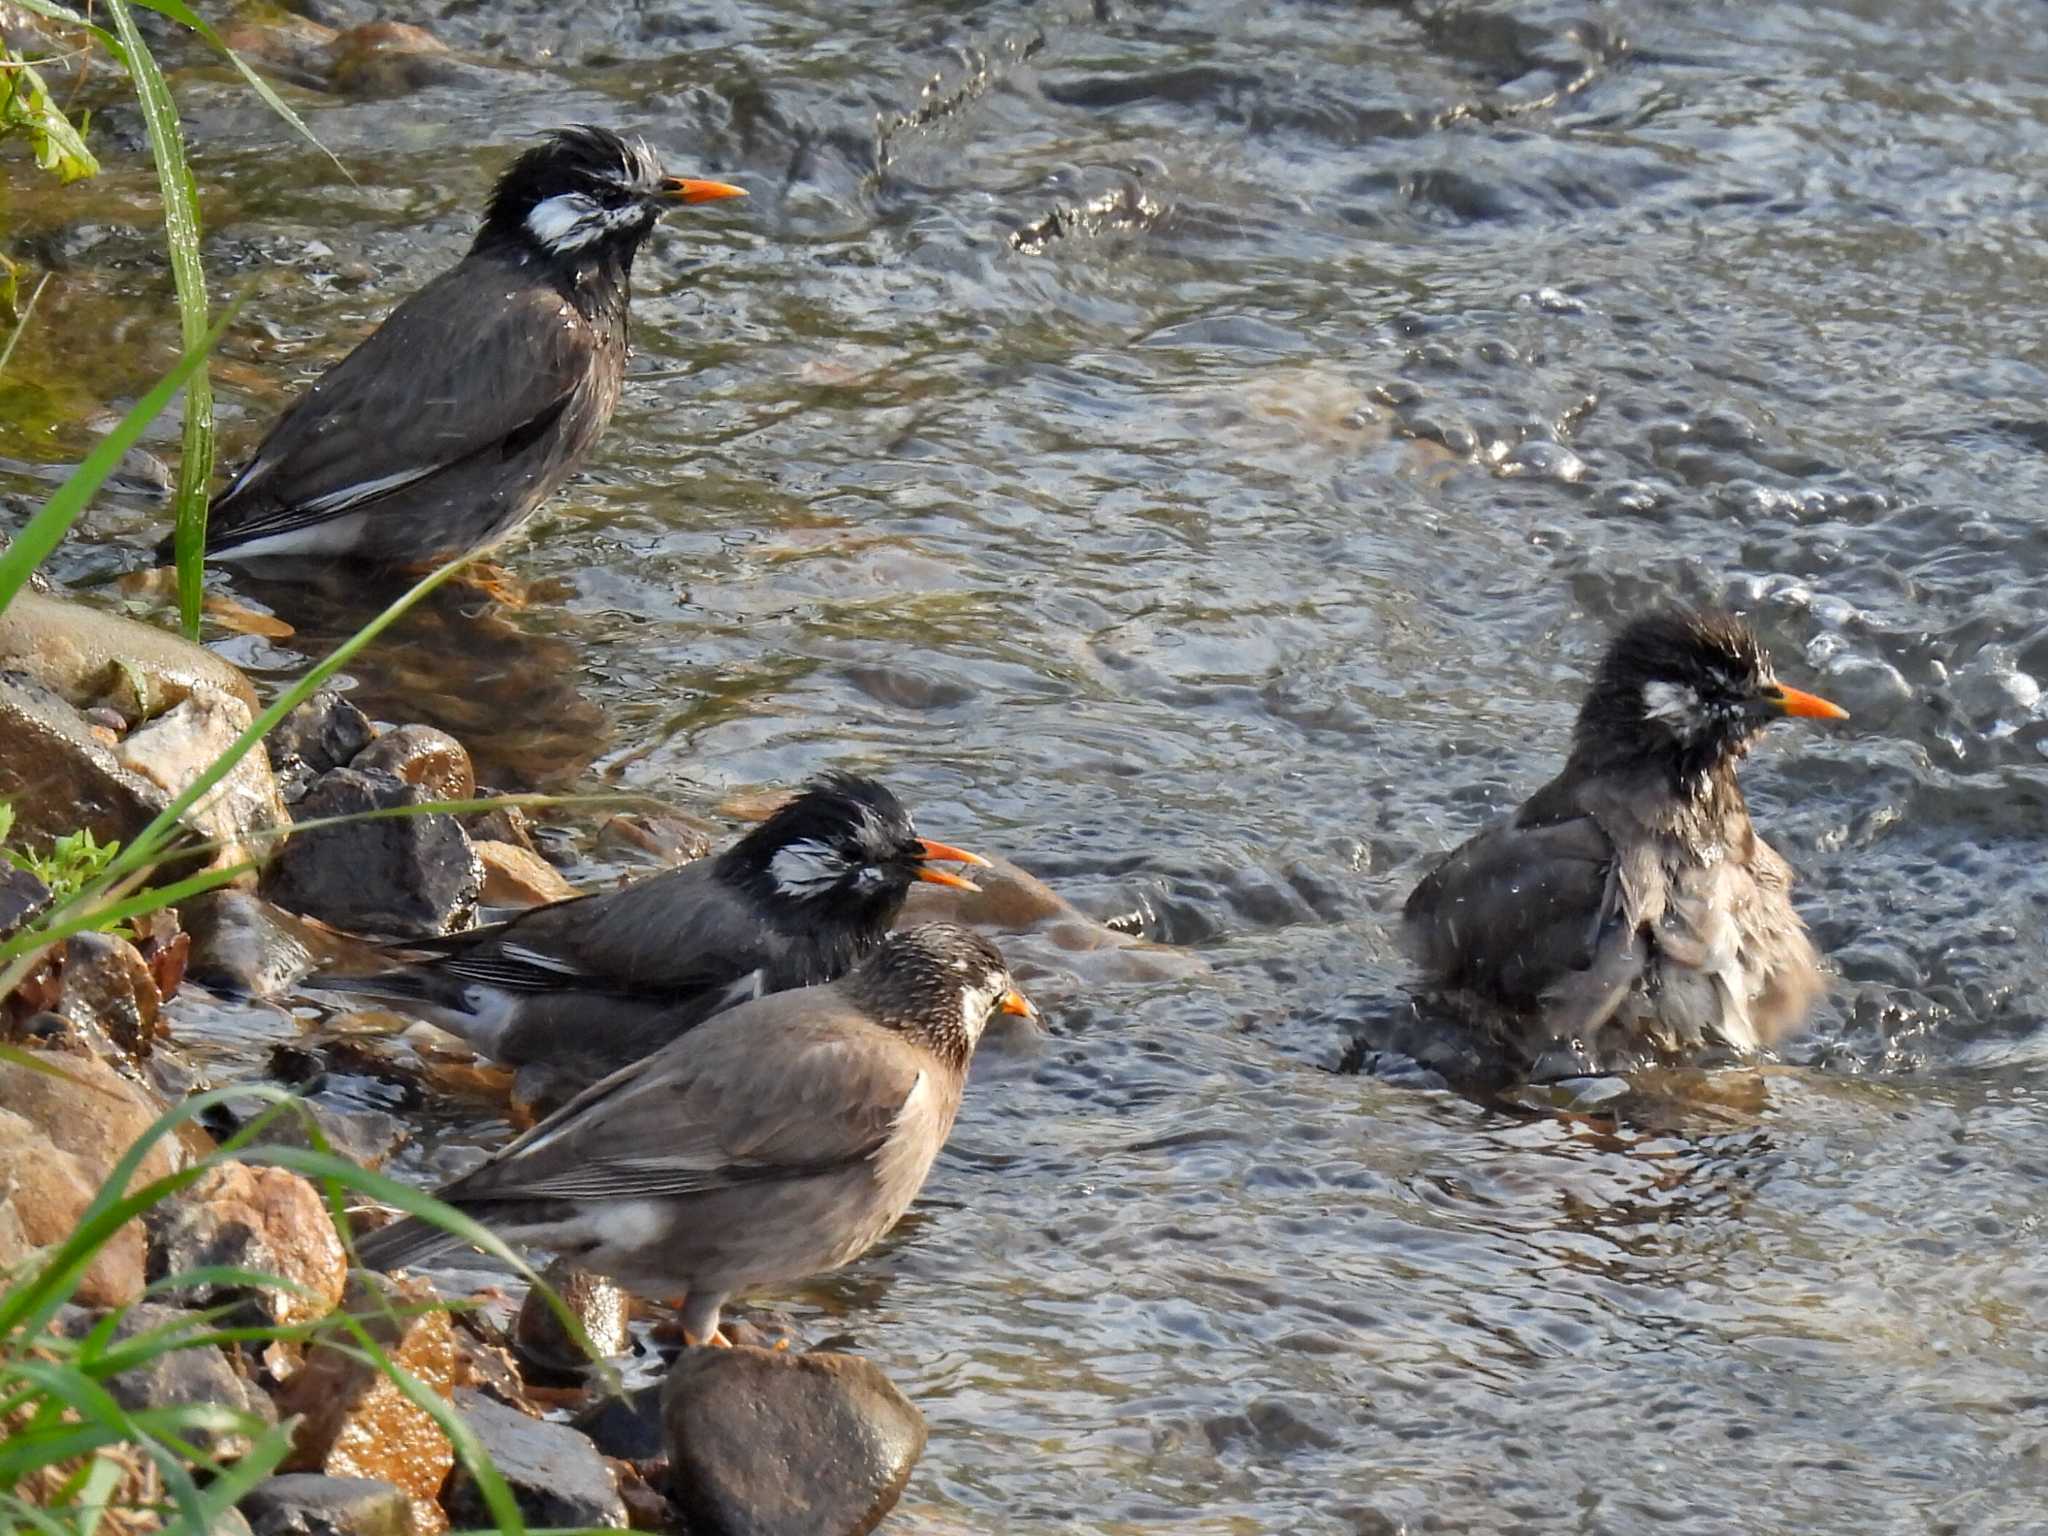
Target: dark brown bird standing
{"type": "Point", "coordinates": [1629, 912]}
{"type": "Point", "coordinates": [586, 985]}
{"type": "Point", "coordinates": [774, 1142]}
{"type": "Point", "coordinates": [481, 393]}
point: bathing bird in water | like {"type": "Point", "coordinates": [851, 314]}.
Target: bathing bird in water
{"type": "Point", "coordinates": [1629, 911]}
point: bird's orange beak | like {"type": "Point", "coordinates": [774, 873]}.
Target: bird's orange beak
{"type": "Point", "coordinates": [930, 851]}
{"type": "Point", "coordinates": [681, 189]}
{"type": "Point", "coordinates": [1805, 706]}
{"type": "Point", "coordinates": [1016, 1002]}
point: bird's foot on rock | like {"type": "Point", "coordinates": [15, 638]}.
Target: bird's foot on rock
{"type": "Point", "coordinates": [718, 1340]}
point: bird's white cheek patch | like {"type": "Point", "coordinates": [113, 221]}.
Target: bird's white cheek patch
{"type": "Point", "coordinates": [807, 866]}
{"type": "Point", "coordinates": [1675, 704]}
{"type": "Point", "coordinates": [564, 222]}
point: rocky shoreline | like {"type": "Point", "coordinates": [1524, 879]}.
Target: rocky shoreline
{"type": "Point", "coordinates": [116, 718]}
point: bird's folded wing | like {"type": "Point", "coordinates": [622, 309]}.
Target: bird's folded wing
{"type": "Point", "coordinates": [674, 934]}
{"type": "Point", "coordinates": [1515, 909]}
{"type": "Point", "coordinates": [443, 380]}
{"type": "Point", "coordinates": [714, 1111]}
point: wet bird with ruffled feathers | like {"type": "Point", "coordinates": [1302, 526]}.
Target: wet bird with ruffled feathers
{"type": "Point", "coordinates": [1629, 912]}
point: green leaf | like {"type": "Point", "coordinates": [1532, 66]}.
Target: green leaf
{"type": "Point", "coordinates": [46, 529]}
{"type": "Point", "coordinates": [28, 106]}
{"type": "Point", "coordinates": [181, 236]}
{"type": "Point", "coordinates": [13, 339]}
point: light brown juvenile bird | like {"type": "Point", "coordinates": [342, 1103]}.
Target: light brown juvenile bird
{"type": "Point", "coordinates": [775, 1141]}
{"type": "Point", "coordinates": [1629, 911]}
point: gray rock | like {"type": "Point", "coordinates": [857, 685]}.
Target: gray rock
{"type": "Point", "coordinates": [402, 875]}
{"type": "Point", "coordinates": [424, 756]}
{"type": "Point", "coordinates": [176, 1377]}
{"type": "Point", "coordinates": [314, 1504]}
{"type": "Point", "coordinates": [627, 1428]}
{"type": "Point", "coordinates": [244, 946]}
{"type": "Point", "coordinates": [554, 1472]}
{"type": "Point", "coordinates": [763, 1443]}
{"type": "Point", "coordinates": [324, 732]}
{"type": "Point", "coordinates": [22, 896]}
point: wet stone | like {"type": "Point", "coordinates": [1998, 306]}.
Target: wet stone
{"type": "Point", "coordinates": [245, 946]}
{"type": "Point", "coordinates": [178, 746]}
{"type": "Point", "coordinates": [176, 1377]}
{"type": "Point", "coordinates": [402, 875]}
{"type": "Point", "coordinates": [106, 980]}
{"type": "Point", "coordinates": [420, 755]}
{"type": "Point", "coordinates": [544, 1344]}
{"type": "Point", "coordinates": [22, 896]}
{"type": "Point", "coordinates": [356, 1422]}
{"type": "Point", "coordinates": [312, 1504]}
{"type": "Point", "coordinates": [763, 1443]}
{"type": "Point", "coordinates": [265, 1220]}
{"type": "Point", "coordinates": [324, 732]}
{"type": "Point", "coordinates": [555, 1473]}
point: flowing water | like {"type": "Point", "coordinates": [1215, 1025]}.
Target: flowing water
{"type": "Point", "coordinates": [1198, 449]}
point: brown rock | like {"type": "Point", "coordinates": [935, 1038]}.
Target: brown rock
{"type": "Point", "coordinates": [1057, 937]}
{"type": "Point", "coordinates": [421, 755]}
{"type": "Point", "coordinates": [92, 1112]}
{"type": "Point", "coordinates": [763, 1443]}
{"type": "Point", "coordinates": [88, 656]}
{"type": "Point", "coordinates": [672, 838]}
{"type": "Point", "coordinates": [597, 1303]}
{"type": "Point", "coordinates": [57, 777]}
{"type": "Point", "coordinates": [388, 58]}
{"type": "Point", "coordinates": [501, 823]}
{"type": "Point", "coordinates": [266, 1220]}
{"type": "Point", "coordinates": [105, 979]}
{"type": "Point", "coordinates": [357, 1423]}
{"type": "Point", "coordinates": [48, 1192]}
{"type": "Point", "coordinates": [519, 877]}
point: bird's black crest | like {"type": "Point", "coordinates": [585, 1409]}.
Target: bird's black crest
{"type": "Point", "coordinates": [584, 158]}
{"type": "Point", "coordinates": [1714, 655]}
{"type": "Point", "coordinates": [838, 808]}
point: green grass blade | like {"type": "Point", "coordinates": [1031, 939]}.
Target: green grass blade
{"type": "Point", "coordinates": [28, 309]}
{"type": "Point", "coordinates": [185, 16]}
{"type": "Point", "coordinates": [46, 529]}
{"type": "Point", "coordinates": [181, 237]}
{"type": "Point", "coordinates": [155, 899]}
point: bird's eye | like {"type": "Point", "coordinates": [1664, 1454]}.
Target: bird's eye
{"type": "Point", "coordinates": [867, 877]}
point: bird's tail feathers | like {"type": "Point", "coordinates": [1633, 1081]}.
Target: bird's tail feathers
{"type": "Point", "coordinates": [403, 1244]}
